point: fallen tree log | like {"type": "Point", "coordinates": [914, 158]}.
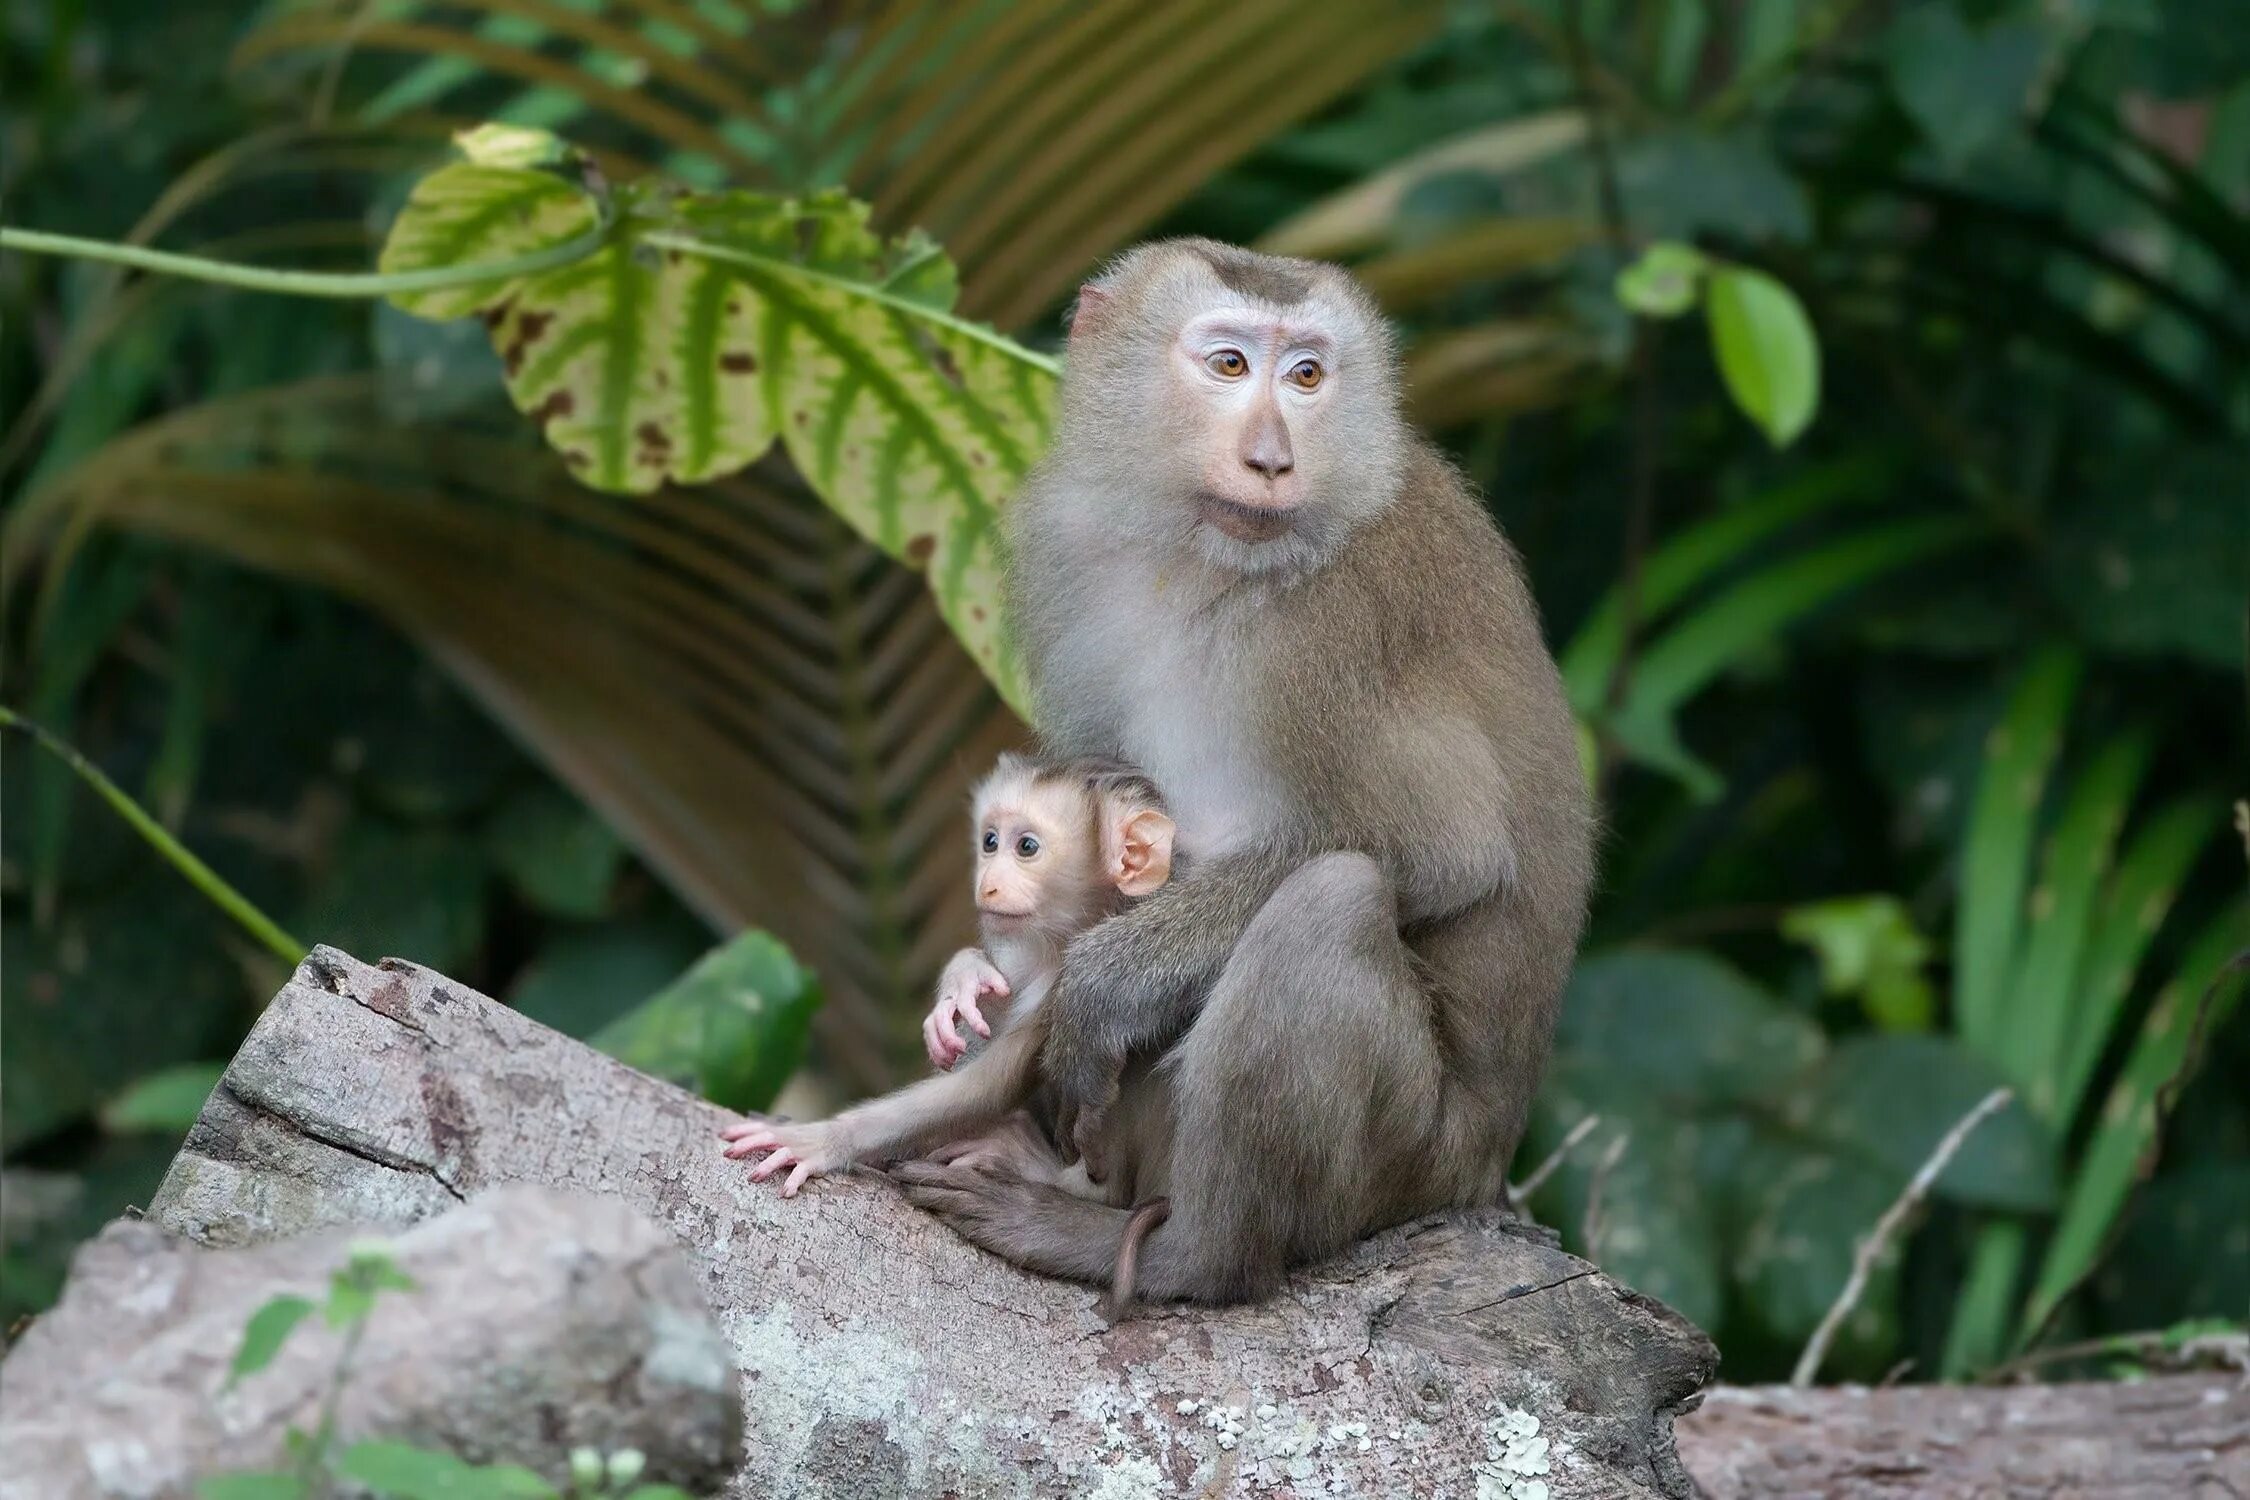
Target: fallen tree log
{"type": "Point", "coordinates": [2181, 1437]}
{"type": "Point", "coordinates": [540, 1321]}
{"type": "Point", "coordinates": [881, 1356]}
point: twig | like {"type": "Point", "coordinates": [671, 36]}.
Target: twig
{"type": "Point", "coordinates": [2231, 1349]}
{"type": "Point", "coordinates": [1870, 1248]}
{"type": "Point", "coordinates": [1590, 1229]}
{"type": "Point", "coordinates": [1520, 1193]}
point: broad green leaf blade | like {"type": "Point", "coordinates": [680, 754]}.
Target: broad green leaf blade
{"type": "Point", "coordinates": [1657, 1226]}
{"type": "Point", "coordinates": [2119, 1154]}
{"type": "Point", "coordinates": [1891, 1099]}
{"type": "Point", "coordinates": [1765, 348]}
{"type": "Point", "coordinates": [2042, 1002]}
{"type": "Point", "coordinates": [912, 425]}
{"type": "Point", "coordinates": [167, 1101]}
{"type": "Point", "coordinates": [1685, 1027]}
{"type": "Point", "coordinates": [268, 1329]}
{"type": "Point", "coordinates": [2133, 910]}
{"type": "Point", "coordinates": [709, 324]}
{"type": "Point", "coordinates": [405, 1472]}
{"type": "Point", "coordinates": [1996, 855]}
{"type": "Point", "coordinates": [732, 1027]}
{"type": "Point", "coordinates": [1962, 86]}
{"type": "Point", "coordinates": [1808, 1211]}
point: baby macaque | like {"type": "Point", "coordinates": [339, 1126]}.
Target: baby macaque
{"type": "Point", "coordinates": [1059, 847]}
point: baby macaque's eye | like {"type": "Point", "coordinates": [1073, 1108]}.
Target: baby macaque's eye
{"type": "Point", "coordinates": [991, 841]}
{"type": "Point", "coordinates": [1305, 375]}
{"type": "Point", "coordinates": [1228, 364]}
{"type": "Point", "coordinates": [1026, 847]}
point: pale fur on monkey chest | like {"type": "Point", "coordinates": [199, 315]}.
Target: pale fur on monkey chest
{"type": "Point", "coordinates": [1174, 695]}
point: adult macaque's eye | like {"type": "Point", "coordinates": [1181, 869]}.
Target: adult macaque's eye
{"type": "Point", "coordinates": [991, 841]}
{"type": "Point", "coordinates": [1026, 847]}
{"type": "Point", "coordinates": [1228, 363]}
{"type": "Point", "coordinates": [1305, 374]}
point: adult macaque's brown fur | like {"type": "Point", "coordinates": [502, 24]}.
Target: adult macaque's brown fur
{"type": "Point", "coordinates": [1241, 571]}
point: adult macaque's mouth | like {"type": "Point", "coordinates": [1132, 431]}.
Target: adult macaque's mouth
{"type": "Point", "coordinates": [1246, 523]}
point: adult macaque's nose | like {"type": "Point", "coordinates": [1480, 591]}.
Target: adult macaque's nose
{"type": "Point", "coordinates": [1265, 447]}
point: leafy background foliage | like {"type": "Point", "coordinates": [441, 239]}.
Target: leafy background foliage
{"type": "Point", "coordinates": [1917, 735]}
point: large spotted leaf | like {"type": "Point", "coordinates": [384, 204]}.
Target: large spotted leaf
{"type": "Point", "coordinates": [703, 326]}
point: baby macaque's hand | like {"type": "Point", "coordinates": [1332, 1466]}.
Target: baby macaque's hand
{"type": "Point", "coordinates": [810, 1150]}
{"type": "Point", "coordinates": [967, 978]}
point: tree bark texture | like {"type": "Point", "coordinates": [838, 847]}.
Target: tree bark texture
{"type": "Point", "coordinates": [541, 1320]}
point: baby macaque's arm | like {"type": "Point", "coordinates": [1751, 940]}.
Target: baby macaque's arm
{"type": "Point", "coordinates": [968, 977]}
{"type": "Point", "coordinates": [995, 1082]}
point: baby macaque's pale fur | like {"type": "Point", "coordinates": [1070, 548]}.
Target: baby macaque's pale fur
{"type": "Point", "coordinates": [1099, 838]}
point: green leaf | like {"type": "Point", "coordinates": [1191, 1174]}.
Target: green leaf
{"type": "Point", "coordinates": [708, 325]}
{"type": "Point", "coordinates": [1810, 1210]}
{"type": "Point", "coordinates": [406, 1472]}
{"type": "Point", "coordinates": [1664, 281]}
{"type": "Point", "coordinates": [1658, 1229]}
{"type": "Point", "coordinates": [1766, 350]}
{"type": "Point", "coordinates": [2044, 992]}
{"type": "Point", "coordinates": [372, 1266]}
{"type": "Point", "coordinates": [1891, 1099]}
{"type": "Point", "coordinates": [560, 856]}
{"type": "Point", "coordinates": [252, 1487]}
{"type": "Point", "coordinates": [1994, 861]}
{"type": "Point", "coordinates": [1678, 183]}
{"type": "Point", "coordinates": [168, 1101]}
{"type": "Point", "coordinates": [1962, 87]}
{"type": "Point", "coordinates": [1869, 947]}
{"type": "Point", "coordinates": [732, 1027]}
{"type": "Point", "coordinates": [1986, 1301]}
{"type": "Point", "coordinates": [262, 1337]}
{"type": "Point", "coordinates": [581, 980]}
{"type": "Point", "coordinates": [1684, 1027]}
{"type": "Point", "coordinates": [2132, 912]}
{"type": "Point", "coordinates": [2119, 1153]}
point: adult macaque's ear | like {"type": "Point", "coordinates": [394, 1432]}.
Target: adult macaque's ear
{"type": "Point", "coordinates": [1143, 858]}
{"type": "Point", "coordinates": [1091, 310]}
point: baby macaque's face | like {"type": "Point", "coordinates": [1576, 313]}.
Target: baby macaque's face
{"type": "Point", "coordinates": [1054, 852]}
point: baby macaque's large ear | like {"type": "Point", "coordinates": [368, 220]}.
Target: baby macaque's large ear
{"type": "Point", "coordinates": [1142, 858]}
{"type": "Point", "coordinates": [1091, 310]}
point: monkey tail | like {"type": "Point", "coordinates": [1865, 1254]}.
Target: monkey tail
{"type": "Point", "coordinates": [1119, 1301]}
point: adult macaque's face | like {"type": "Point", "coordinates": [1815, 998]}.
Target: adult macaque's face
{"type": "Point", "coordinates": [1252, 387]}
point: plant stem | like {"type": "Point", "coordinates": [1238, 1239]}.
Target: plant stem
{"type": "Point", "coordinates": [1871, 1248]}
{"type": "Point", "coordinates": [312, 1469]}
{"type": "Point", "coordinates": [304, 283]}
{"type": "Point", "coordinates": [181, 858]}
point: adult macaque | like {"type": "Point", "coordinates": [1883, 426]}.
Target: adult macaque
{"type": "Point", "coordinates": [1239, 569]}
{"type": "Point", "coordinates": [1059, 848]}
